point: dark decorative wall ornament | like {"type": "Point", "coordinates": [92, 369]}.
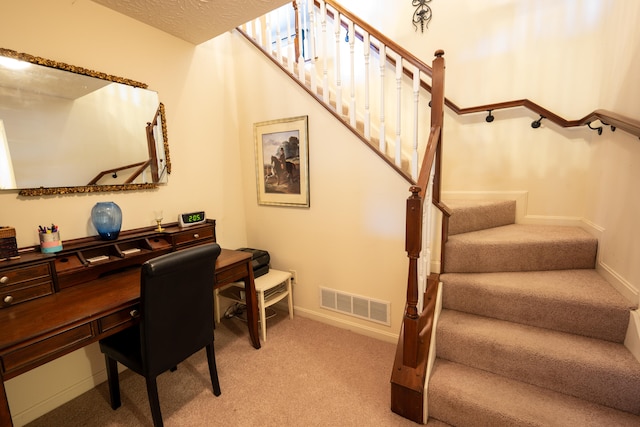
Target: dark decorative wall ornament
{"type": "Point", "coordinates": [422, 15]}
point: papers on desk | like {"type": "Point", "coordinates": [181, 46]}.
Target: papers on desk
{"type": "Point", "coordinates": [98, 258]}
{"type": "Point", "coordinates": [131, 251]}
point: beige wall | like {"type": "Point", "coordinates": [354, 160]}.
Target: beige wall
{"type": "Point", "coordinates": [192, 83]}
{"type": "Point", "coordinates": [570, 57]}
{"type": "Point", "coordinates": [352, 237]}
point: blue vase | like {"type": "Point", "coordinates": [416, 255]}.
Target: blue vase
{"type": "Point", "coordinates": [107, 219]}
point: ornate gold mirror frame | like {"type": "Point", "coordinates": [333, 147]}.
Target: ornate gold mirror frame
{"type": "Point", "coordinates": [44, 191]}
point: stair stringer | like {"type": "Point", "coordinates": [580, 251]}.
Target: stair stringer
{"type": "Point", "coordinates": [432, 352]}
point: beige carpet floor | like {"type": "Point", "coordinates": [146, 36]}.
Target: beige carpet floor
{"type": "Point", "coordinates": [306, 374]}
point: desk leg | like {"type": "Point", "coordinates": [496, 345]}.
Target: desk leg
{"type": "Point", "coordinates": [5, 413]}
{"type": "Point", "coordinates": [252, 307]}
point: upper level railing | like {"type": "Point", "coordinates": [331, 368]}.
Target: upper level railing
{"type": "Point", "coordinates": [380, 92]}
{"type": "Point", "coordinates": [374, 86]}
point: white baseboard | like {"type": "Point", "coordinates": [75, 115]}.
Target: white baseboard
{"type": "Point", "coordinates": [66, 395]}
{"type": "Point", "coordinates": [344, 324]}
{"type": "Point", "coordinates": [632, 340]}
{"type": "Point", "coordinates": [618, 282]}
{"type": "Point", "coordinates": [432, 354]}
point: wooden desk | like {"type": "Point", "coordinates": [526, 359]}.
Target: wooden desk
{"type": "Point", "coordinates": [235, 266]}
{"type": "Point", "coordinates": [38, 331]}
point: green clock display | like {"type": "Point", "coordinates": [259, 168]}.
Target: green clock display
{"type": "Point", "coordinates": [191, 218]}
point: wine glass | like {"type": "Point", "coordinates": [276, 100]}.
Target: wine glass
{"type": "Point", "coordinates": [158, 216]}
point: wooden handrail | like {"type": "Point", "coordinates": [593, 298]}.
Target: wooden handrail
{"type": "Point", "coordinates": [607, 118]}
{"type": "Point", "coordinates": [141, 167]}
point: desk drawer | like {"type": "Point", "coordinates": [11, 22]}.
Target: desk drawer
{"type": "Point", "coordinates": [47, 349]}
{"type": "Point", "coordinates": [25, 283]}
{"type": "Point", "coordinates": [232, 274]}
{"type": "Point", "coordinates": [10, 295]}
{"type": "Point", "coordinates": [192, 237]}
{"type": "Point", "coordinates": [123, 317]}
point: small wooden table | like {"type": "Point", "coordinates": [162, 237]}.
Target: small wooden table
{"type": "Point", "coordinates": [39, 331]}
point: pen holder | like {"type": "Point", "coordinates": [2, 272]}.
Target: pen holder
{"type": "Point", "coordinates": [50, 242]}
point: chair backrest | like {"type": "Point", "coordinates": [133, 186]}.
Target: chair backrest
{"type": "Point", "coordinates": [176, 310]}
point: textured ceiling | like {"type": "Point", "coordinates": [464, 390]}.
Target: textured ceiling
{"type": "Point", "coordinates": [195, 21]}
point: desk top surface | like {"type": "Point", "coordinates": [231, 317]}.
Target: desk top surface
{"type": "Point", "coordinates": [83, 303]}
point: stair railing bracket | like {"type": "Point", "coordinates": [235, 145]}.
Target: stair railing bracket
{"type": "Point", "coordinates": [489, 117]}
{"type": "Point", "coordinates": [536, 123]}
{"type": "Point", "coordinates": [599, 128]}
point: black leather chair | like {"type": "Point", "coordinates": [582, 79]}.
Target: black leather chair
{"type": "Point", "coordinates": [176, 320]}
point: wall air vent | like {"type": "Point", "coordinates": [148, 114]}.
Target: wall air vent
{"type": "Point", "coordinates": [355, 305]}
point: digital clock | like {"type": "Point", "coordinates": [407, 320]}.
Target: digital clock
{"type": "Point", "coordinates": [191, 218]}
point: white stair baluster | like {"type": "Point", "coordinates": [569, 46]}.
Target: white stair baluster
{"type": "Point", "coordinates": [336, 30]}
{"type": "Point", "coordinates": [352, 67]}
{"type": "Point", "coordinates": [300, 36]}
{"type": "Point", "coordinates": [428, 218]}
{"type": "Point", "coordinates": [325, 66]}
{"type": "Point", "coordinates": [252, 29]}
{"type": "Point", "coordinates": [264, 40]}
{"type": "Point", "coordinates": [414, 148]}
{"type": "Point", "coordinates": [291, 53]}
{"type": "Point", "coordinates": [312, 46]}
{"type": "Point", "coordinates": [278, 36]}
{"type": "Point", "coordinates": [398, 156]}
{"type": "Point", "coordinates": [270, 23]}
{"type": "Point", "coordinates": [383, 63]}
{"type": "Point", "coordinates": [367, 113]}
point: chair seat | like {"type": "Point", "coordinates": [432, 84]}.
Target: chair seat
{"type": "Point", "coordinates": [124, 347]}
{"type": "Point", "coordinates": [265, 283]}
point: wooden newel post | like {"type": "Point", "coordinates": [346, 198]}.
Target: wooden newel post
{"type": "Point", "coordinates": [413, 247]}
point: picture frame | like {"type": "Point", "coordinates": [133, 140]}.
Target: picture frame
{"type": "Point", "coordinates": [282, 162]}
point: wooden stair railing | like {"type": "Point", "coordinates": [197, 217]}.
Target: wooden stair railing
{"type": "Point", "coordinates": [409, 374]}
{"type": "Point", "coordinates": [410, 67]}
{"type": "Point", "coordinates": [411, 364]}
{"type": "Point", "coordinates": [140, 167]}
{"type": "Point", "coordinates": [607, 118]}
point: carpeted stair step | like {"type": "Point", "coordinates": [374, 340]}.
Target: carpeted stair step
{"type": "Point", "coordinates": [463, 396]}
{"type": "Point", "coordinates": [599, 371]}
{"type": "Point", "coordinates": [520, 247]}
{"type": "Point", "coordinates": [575, 301]}
{"type": "Point", "coordinates": [473, 215]}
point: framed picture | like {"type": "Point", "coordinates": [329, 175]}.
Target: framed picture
{"type": "Point", "coordinates": [282, 162]}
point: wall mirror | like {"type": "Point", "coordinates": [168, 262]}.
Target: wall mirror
{"type": "Point", "coordinates": [66, 129]}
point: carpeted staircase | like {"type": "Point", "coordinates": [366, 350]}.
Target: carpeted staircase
{"type": "Point", "coordinates": [530, 334]}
